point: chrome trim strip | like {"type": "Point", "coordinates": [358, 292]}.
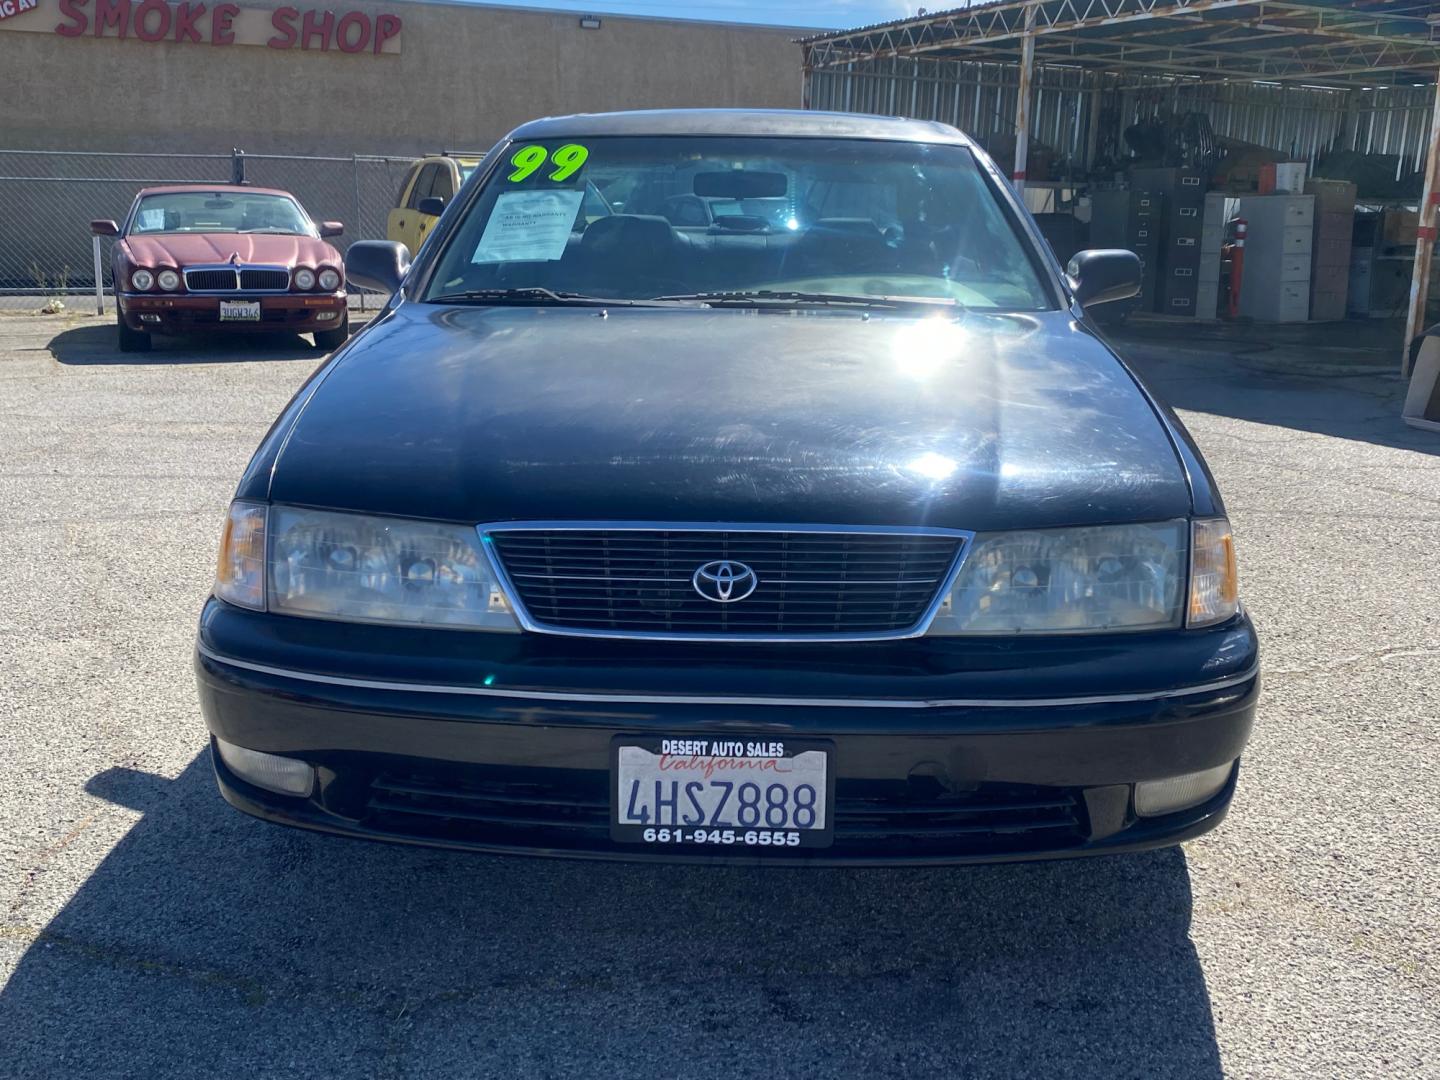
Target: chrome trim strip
{"type": "Point", "coordinates": [507, 585]}
{"type": "Point", "coordinates": [700, 699]}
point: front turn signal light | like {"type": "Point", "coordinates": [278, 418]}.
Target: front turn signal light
{"type": "Point", "coordinates": [1214, 585]}
{"type": "Point", "coordinates": [240, 573]}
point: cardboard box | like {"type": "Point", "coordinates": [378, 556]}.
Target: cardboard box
{"type": "Point", "coordinates": [1328, 306]}
{"type": "Point", "coordinates": [1331, 252]}
{"type": "Point", "coordinates": [1334, 225]}
{"type": "Point", "coordinates": [1330, 278]}
{"type": "Point", "coordinates": [1282, 177]}
{"type": "Point", "coordinates": [1332, 196]}
{"type": "Point", "coordinates": [1400, 227]}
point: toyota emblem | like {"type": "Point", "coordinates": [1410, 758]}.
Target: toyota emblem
{"type": "Point", "coordinates": [724, 581]}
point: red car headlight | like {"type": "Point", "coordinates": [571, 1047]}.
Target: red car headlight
{"type": "Point", "coordinates": [304, 279]}
{"type": "Point", "coordinates": [329, 280]}
{"type": "Point", "coordinates": [141, 280]}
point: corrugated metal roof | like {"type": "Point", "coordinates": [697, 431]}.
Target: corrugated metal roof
{"type": "Point", "coordinates": [1349, 42]}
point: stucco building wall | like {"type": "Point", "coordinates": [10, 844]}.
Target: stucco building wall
{"type": "Point", "coordinates": [464, 75]}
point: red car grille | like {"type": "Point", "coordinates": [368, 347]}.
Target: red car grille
{"type": "Point", "coordinates": [271, 280]}
{"type": "Point", "coordinates": [242, 279]}
{"type": "Point", "coordinates": [211, 280]}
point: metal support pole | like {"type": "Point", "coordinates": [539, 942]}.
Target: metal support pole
{"type": "Point", "coordinates": [355, 227]}
{"type": "Point", "coordinates": [99, 278]}
{"type": "Point", "coordinates": [1424, 238]}
{"type": "Point", "coordinates": [1022, 103]}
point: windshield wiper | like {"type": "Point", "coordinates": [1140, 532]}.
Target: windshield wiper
{"type": "Point", "coordinates": [752, 297]}
{"type": "Point", "coordinates": [534, 294]}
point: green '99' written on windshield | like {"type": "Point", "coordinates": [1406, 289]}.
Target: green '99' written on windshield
{"type": "Point", "coordinates": [567, 160]}
{"type": "Point", "coordinates": [533, 224]}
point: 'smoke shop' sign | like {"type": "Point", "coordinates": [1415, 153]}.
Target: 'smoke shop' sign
{"type": "Point", "coordinates": [201, 22]}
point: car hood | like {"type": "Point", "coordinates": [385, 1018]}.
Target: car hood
{"type": "Point", "coordinates": [701, 415]}
{"type": "Point", "coordinates": [196, 249]}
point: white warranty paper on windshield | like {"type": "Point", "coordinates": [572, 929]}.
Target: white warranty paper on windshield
{"type": "Point", "coordinates": [528, 226]}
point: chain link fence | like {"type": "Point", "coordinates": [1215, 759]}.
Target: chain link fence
{"type": "Point", "coordinates": [49, 199]}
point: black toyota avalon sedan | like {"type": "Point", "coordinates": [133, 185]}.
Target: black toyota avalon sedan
{"type": "Point", "coordinates": [731, 486]}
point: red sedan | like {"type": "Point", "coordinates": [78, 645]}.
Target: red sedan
{"type": "Point", "coordinates": [224, 257]}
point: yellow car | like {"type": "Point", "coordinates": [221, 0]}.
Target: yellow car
{"type": "Point", "coordinates": [435, 177]}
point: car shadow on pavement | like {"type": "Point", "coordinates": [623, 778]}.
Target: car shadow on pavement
{"type": "Point", "coordinates": [95, 345]}
{"type": "Point", "coordinates": [210, 944]}
{"type": "Point", "coordinates": [1337, 379]}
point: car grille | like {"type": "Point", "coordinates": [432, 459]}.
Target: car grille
{"type": "Point", "coordinates": [571, 811]}
{"type": "Point", "coordinates": [225, 279]}
{"type": "Point", "coordinates": [210, 280]}
{"type": "Point", "coordinates": [639, 582]}
{"type": "Point", "coordinates": [263, 280]}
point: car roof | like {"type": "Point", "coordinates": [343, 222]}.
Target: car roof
{"type": "Point", "coordinates": [458, 159]}
{"type": "Point", "coordinates": [172, 189]}
{"type": "Point", "coordinates": [795, 123]}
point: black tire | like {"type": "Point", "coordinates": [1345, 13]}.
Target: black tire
{"type": "Point", "coordinates": [330, 340]}
{"type": "Point", "coordinates": [130, 340]}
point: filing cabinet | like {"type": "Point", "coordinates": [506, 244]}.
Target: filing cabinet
{"type": "Point", "coordinates": [1179, 274]}
{"type": "Point", "coordinates": [1333, 226]}
{"type": "Point", "coordinates": [1131, 219]}
{"type": "Point", "coordinates": [1276, 281]}
{"type": "Point", "coordinates": [1212, 239]}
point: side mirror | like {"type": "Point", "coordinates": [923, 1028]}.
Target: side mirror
{"type": "Point", "coordinates": [1102, 275]}
{"type": "Point", "coordinates": [433, 205]}
{"type": "Point", "coordinates": [380, 265]}
{"type": "Point", "coordinates": [331, 228]}
{"type": "Point", "coordinates": [104, 227]}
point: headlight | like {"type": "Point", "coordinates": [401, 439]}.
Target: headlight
{"type": "Point", "coordinates": [382, 570]}
{"type": "Point", "coordinates": [240, 576]}
{"type": "Point", "coordinates": [329, 280]}
{"type": "Point", "coordinates": [1069, 581]}
{"type": "Point", "coordinates": [141, 279]}
{"type": "Point", "coordinates": [304, 279]}
{"type": "Point", "coordinates": [169, 280]}
{"type": "Point", "coordinates": [1214, 585]}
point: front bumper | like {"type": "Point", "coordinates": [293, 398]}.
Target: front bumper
{"type": "Point", "coordinates": [463, 762]}
{"type": "Point", "coordinates": [177, 313]}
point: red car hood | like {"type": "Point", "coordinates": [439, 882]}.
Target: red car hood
{"type": "Point", "coordinates": [195, 249]}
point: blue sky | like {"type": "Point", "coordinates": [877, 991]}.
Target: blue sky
{"type": "Point", "coordinates": [830, 14]}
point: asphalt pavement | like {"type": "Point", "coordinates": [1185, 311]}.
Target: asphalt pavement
{"type": "Point", "coordinates": [147, 930]}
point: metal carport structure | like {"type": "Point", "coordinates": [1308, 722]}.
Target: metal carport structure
{"type": "Point", "coordinates": [1328, 59]}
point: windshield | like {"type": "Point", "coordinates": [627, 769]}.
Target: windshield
{"type": "Point", "coordinates": [640, 218]}
{"type": "Point", "coordinates": [220, 212]}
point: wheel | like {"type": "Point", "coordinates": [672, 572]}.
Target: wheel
{"type": "Point", "coordinates": [330, 340]}
{"type": "Point", "coordinates": [130, 340]}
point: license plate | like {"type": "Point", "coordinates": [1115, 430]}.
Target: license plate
{"type": "Point", "coordinates": [721, 793]}
{"type": "Point", "coordinates": [239, 310]}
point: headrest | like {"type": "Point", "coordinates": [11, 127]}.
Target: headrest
{"type": "Point", "coordinates": [627, 230]}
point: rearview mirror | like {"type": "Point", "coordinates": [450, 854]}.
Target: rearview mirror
{"type": "Point", "coordinates": [331, 228]}
{"type": "Point", "coordinates": [380, 265]}
{"type": "Point", "coordinates": [433, 205]}
{"type": "Point", "coordinates": [1102, 275]}
{"type": "Point", "coordinates": [104, 227]}
{"type": "Point", "coordinates": [740, 184]}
